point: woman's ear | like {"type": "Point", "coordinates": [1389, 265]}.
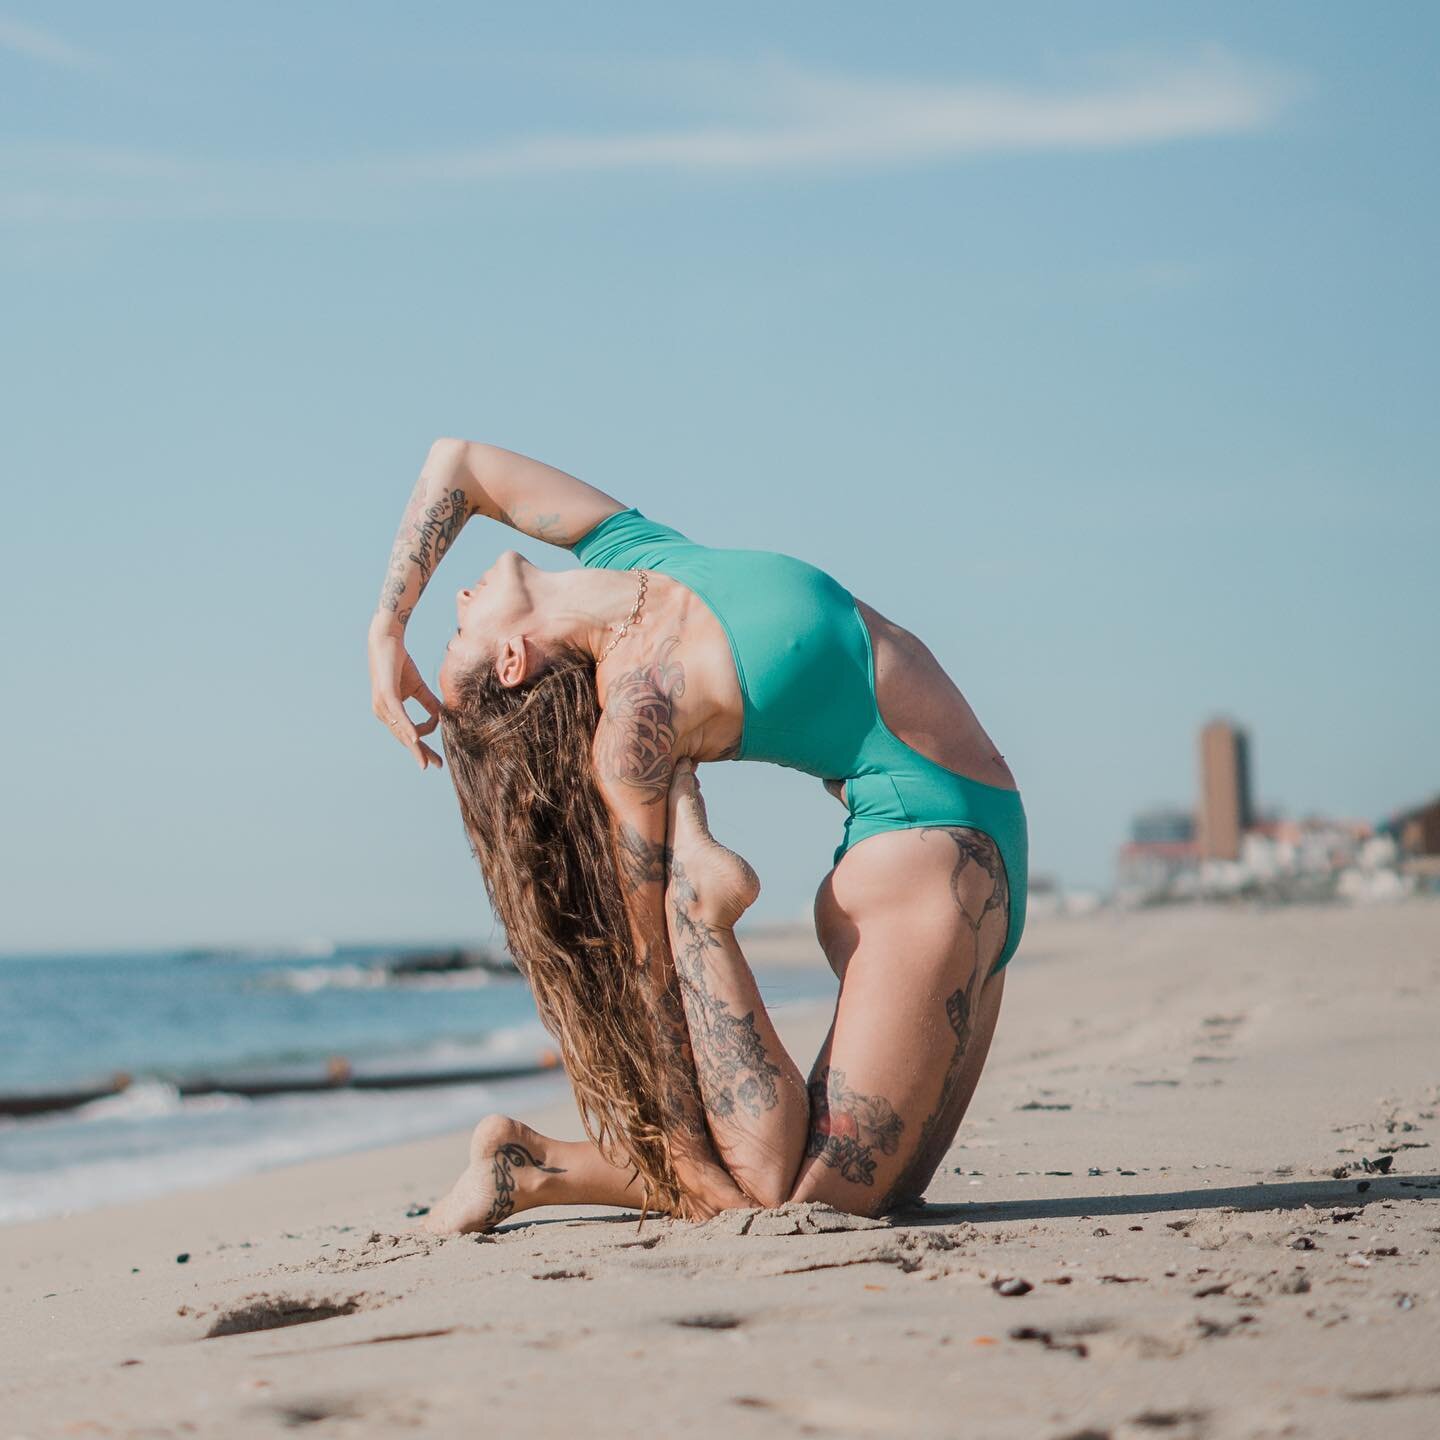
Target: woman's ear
{"type": "Point", "coordinates": [514, 661]}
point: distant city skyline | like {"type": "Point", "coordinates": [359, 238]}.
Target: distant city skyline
{"type": "Point", "coordinates": [1095, 345]}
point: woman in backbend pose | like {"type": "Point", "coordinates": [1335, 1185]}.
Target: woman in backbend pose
{"type": "Point", "coordinates": [576, 705]}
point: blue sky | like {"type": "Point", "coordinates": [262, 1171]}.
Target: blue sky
{"type": "Point", "coordinates": [1094, 343]}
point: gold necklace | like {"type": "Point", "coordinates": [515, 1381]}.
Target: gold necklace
{"type": "Point", "coordinates": [630, 619]}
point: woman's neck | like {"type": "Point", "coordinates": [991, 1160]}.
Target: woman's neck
{"type": "Point", "coordinates": [590, 606]}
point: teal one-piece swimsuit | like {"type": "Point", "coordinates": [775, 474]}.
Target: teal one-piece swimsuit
{"type": "Point", "coordinates": [807, 674]}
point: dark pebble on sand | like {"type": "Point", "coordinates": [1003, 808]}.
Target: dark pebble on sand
{"type": "Point", "coordinates": [1100, 1230]}
{"type": "Point", "coordinates": [1405, 1302]}
{"type": "Point", "coordinates": [1302, 1242]}
{"type": "Point", "coordinates": [183, 1258]}
{"type": "Point", "coordinates": [1011, 1286]}
{"type": "Point", "coordinates": [414, 1212]}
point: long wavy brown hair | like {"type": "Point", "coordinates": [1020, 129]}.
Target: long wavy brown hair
{"type": "Point", "coordinates": [521, 761]}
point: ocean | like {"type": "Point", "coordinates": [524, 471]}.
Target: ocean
{"type": "Point", "coordinates": [169, 1023]}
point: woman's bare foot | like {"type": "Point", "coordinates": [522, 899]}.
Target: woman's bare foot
{"type": "Point", "coordinates": [721, 883]}
{"type": "Point", "coordinates": [507, 1172]}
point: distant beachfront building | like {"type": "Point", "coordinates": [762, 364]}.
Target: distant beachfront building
{"type": "Point", "coordinates": [1167, 825]}
{"type": "Point", "coordinates": [1416, 837]}
{"type": "Point", "coordinates": [1159, 855]}
{"type": "Point", "coordinates": [1225, 850]}
{"type": "Point", "coordinates": [1418, 831]}
{"type": "Point", "coordinates": [1226, 812]}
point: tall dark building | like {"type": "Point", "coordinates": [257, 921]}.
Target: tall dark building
{"type": "Point", "coordinates": [1225, 811]}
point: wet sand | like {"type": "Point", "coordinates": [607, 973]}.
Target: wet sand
{"type": "Point", "coordinates": [1198, 1194]}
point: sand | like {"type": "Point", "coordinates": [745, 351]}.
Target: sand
{"type": "Point", "coordinates": [1177, 1157]}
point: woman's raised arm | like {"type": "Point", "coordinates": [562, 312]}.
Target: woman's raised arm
{"type": "Point", "coordinates": [461, 478]}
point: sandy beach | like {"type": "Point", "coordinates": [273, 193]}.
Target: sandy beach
{"type": "Point", "coordinates": [1198, 1194]}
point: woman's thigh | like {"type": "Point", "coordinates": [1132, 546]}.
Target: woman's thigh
{"type": "Point", "coordinates": [912, 921]}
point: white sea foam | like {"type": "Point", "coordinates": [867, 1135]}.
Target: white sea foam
{"type": "Point", "coordinates": [309, 979]}
{"type": "Point", "coordinates": [116, 1155]}
{"type": "Point", "coordinates": [146, 1099]}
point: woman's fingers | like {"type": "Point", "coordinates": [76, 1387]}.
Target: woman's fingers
{"type": "Point", "coordinates": [426, 696]}
{"type": "Point", "coordinates": [397, 680]}
{"type": "Point", "coordinates": [408, 734]}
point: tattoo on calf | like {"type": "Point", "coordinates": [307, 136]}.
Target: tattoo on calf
{"type": "Point", "coordinates": [847, 1128]}
{"type": "Point", "coordinates": [972, 848]}
{"type": "Point", "coordinates": [734, 1071]}
{"type": "Point", "coordinates": [507, 1160]}
{"type": "Point", "coordinates": [636, 738]}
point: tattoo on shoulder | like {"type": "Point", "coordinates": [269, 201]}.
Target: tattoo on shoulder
{"type": "Point", "coordinates": [635, 743]}
{"type": "Point", "coordinates": [847, 1128]}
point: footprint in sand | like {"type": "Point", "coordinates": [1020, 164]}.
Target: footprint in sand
{"type": "Point", "coordinates": [274, 1312]}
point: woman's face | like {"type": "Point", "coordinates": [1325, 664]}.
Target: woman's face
{"type": "Point", "coordinates": [497, 608]}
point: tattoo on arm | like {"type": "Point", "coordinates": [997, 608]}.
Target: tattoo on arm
{"type": "Point", "coordinates": [540, 524]}
{"type": "Point", "coordinates": [847, 1128]}
{"type": "Point", "coordinates": [734, 1071]}
{"type": "Point", "coordinates": [427, 530]}
{"type": "Point", "coordinates": [642, 861]}
{"type": "Point", "coordinates": [680, 1101]}
{"type": "Point", "coordinates": [636, 740]}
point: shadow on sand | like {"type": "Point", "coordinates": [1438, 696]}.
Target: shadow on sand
{"type": "Point", "coordinates": [1286, 1195]}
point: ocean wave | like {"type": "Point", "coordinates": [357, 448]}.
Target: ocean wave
{"type": "Point", "coordinates": [153, 1097]}
{"type": "Point", "coordinates": [59, 1167]}
{"type": "Point", "coordinates": [310, 979]}
{"type": "Point", "coordinates": [147, 1099]}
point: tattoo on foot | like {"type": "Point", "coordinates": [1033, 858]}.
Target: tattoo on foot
{"type": "Point", "coordinates": [636, 738]}
{"type": "Point", "coordinates": [507, 1160]}
{"type": "Point", "coordinates": [734, 1070]}
{"type": "Point", "coordinates": [847, 1128]}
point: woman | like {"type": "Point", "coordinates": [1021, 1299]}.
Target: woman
{"type": "Point", "coordinates": [576, 706]}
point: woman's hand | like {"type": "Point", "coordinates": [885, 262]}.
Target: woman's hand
{"type": "Point", "coordinates": [394, 679]}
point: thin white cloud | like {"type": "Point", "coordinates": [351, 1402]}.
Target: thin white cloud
{"type": "Point", "coordinates": [808, 119]}
{"type": "Point", "coordinates": [766, 117]}
{"type": "Point", "coordinates": [43, 45]}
